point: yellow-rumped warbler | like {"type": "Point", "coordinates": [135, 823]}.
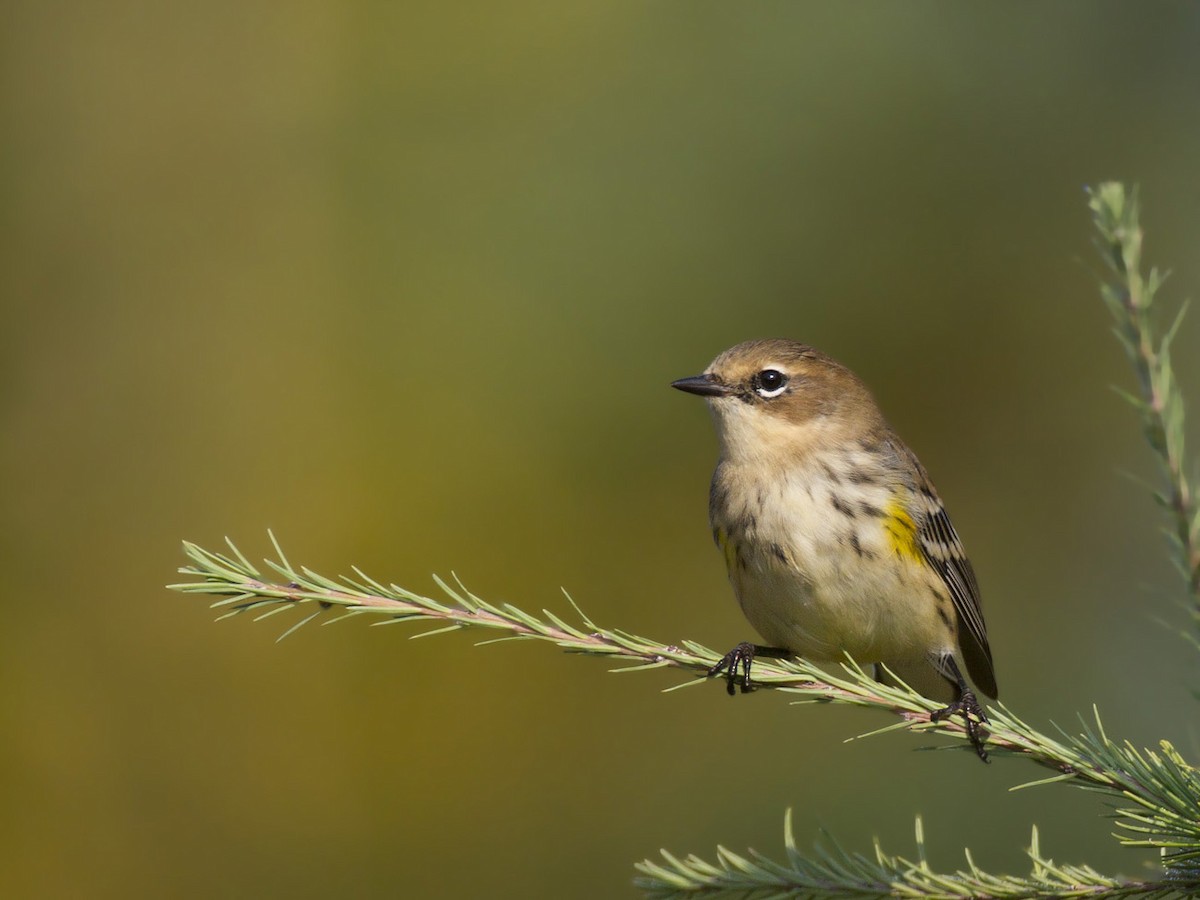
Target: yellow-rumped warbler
{"type": "Point", "coordinates": [835, 540]}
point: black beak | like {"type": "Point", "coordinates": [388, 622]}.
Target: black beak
{"type": "Point", "coordinates": [704, 385]}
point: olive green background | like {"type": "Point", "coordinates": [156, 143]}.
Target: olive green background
{"type": "Point", "coordinates": [407, 284]}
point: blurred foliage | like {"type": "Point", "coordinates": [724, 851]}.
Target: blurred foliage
{"type": "Point", "coordinates": [408, 282]}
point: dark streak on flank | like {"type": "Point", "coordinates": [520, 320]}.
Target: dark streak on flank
{"type": "Point", "coordinates": [857, 476]}
{"type": "Point", "coordinates": [842, 507]}
{"type": "Point", "coordinates": [943, 611]}
{"type": "Point", "coordinates": [830, 473]}
{"type": "Point", "coordinates": [870, 509]}
{"type": "Point", "coordinates": [719, 496]}
{"type": "Point", "coordinates": [857, 545]}
{"type": "Point", "coordinates": [779, 553]}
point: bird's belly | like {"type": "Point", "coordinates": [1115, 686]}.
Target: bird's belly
{"type": "Point", "coordinates": [828, 591]}
{"type": "Point", "coordinates": [870, 618]}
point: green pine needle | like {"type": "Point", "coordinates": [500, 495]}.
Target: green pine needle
{"type": "Point", "coordinates": [832, 871]}
{"type": "Point", "coordinates": [1130, 297]}
{"type": "Point", "coordinates": [1156, 790]}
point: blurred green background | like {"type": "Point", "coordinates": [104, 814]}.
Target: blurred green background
{"type": "Point", "coordinates": [407, 283]}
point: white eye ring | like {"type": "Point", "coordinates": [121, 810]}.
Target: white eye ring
{"type": "Point", "coordinates": [776, 380]}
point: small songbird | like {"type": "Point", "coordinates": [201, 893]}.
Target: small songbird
{"type": "Point", "coordinates": [834, 538]}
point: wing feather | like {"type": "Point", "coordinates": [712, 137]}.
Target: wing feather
{"type": "Point", "coordinates": [942, 549]}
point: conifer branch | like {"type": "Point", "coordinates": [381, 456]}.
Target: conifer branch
{"type": "Point", "coordinates": [1157, 790]}
{"type": "Point", "coordinates": [1130, 297]}
{"type": "Point", "coordinates": [832, 871]}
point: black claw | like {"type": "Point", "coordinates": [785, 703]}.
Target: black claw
{"type": "Point", "coordinates": [741, 655]}
{"type": "Point", "coordinates": [973, 715]}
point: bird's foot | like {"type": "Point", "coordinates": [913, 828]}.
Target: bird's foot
{"type": "Point", "coordinates": [973, 715]}
{"type": "Point", "coordinates": [742, 655]}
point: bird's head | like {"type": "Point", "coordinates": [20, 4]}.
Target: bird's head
{"type": "Point", "coordinates": [774, 396]}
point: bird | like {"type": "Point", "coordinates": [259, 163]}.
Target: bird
{"type": "Point", "coordinates": [834, 538]}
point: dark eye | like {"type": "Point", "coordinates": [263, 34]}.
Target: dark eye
{"type": "Point", "coordinates": [771, 383]}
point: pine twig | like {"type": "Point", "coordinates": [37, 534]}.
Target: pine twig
{"type": "Point", "coordinates": [834, 872]}
{"type": "Point", "coordinates": [1130, 297]}
{"type": "Point", "coordinates": [1158, 788]}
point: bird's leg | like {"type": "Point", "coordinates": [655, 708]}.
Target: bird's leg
{"type": "Point", "coordinates": [743, 655]}
{"type": "Point", "coordinates": [967, 706]}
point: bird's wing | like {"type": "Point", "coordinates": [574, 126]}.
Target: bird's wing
{"type": "Point", "coordinates": [942, 549]}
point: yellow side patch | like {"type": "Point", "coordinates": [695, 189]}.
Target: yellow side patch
{"type": "Point", "coordinates": [901, 531]}
{"type": "Point", "coordinates": [728, 549]}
